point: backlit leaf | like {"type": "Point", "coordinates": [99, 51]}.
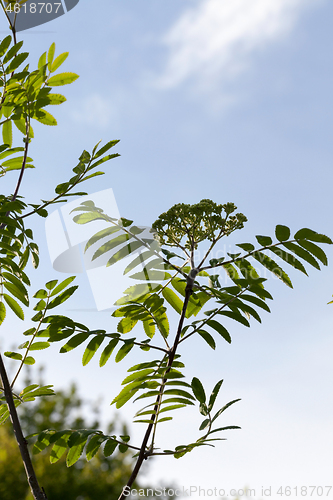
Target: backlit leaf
{"type": "Point", "coordinates": [15, 307]}
{"type": "Point", "coordinates": [7, 133]}
{"type": "Point", "coordinates": [198, 390]}
{"type": "Point", "coordinates": [214, 394]}
{"type": "Point", "coordinates": [124, 350]}
{"type": "Point", "coordinates": [173, 299]}
{"type": "Point", "coordinates": [208, 338]}
{"type": "Point", "coordinates": [220, 329]}
{"type": "Point", "coordinates": [273, 267]}
{"type": "Point", "coordinates": [58, 62]}
{"type": "Point", "coordinates": [107, 351]}
{"type": "Point", "coordinates": [91, 348]}
{"type": "Point", "coordinates": [304, 254]}
{"type": "Point", "coordinates": [62, 79]}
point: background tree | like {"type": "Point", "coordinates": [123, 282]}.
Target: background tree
{"type": "Point", "coordinates": [101, 478]}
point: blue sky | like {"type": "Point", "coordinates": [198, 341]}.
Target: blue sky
{"type": "Point", "coordinates": [224, 100]}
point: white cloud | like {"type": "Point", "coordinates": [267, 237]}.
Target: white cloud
{"type": "Point", "coordinates": [95, 110]}
{"type": "Point", "coordinates": [215, 39]}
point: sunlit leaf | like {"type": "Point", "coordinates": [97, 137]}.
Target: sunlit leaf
{"type": "Point", "coordinates": [107, 351]}
{"type": "Point", "coordinates": [62, 79]}
{"type": "Point", "coordinates": [15, 307]}
{"type": "Point", "coordinates": [57, 62]}
{"type": "Point", "coordinates": [91, 348]}
{"type": "Point", "coordinates": [7, 133]}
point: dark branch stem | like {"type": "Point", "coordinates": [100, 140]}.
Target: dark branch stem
{"type": "Point", "coordinates": [144, 454]}
{"type": "Point", "coordinates": [26, 147]}
{"type": "Point", "coordinates": [204, 321]}
{"type": "Point", "coordinates": [36, 490]}
{"type": "Point", "coordinates": [11, 25]}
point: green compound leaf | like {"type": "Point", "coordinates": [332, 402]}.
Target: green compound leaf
{"type": "Point", "coordinates": [2, 312]}
{"type": "Point", "coordinates": [55, 99]}
{"type": "Point", "coordinates": [110, 447]}
{"type": "Point", "coordinates": [19, 59]}
{"type": "Point", "coordinates": [62, 79]}
{"type": "Point", "coordinates": [38, 346]}
{"type": "Point", "coordinates": [264, 240]}
{"type": "Point", "coordinates": [173, 299]}
{"type": "Point", "coordinates": [60, 447]}
{"type": "Point", "coordinates": [248, 247]}
{"type": "Point", "coordinates": [74, 342]}
{"type": "Point", "coordinates": [108, 351]}
{"type": "Point", "coordinates": [249, 311]}
{"type": "Point", "coordinates": [43, 440]}
{"type": "Point", "coordinates": [308, 234]}
{"type": "Point", "coordinates": [76, 451]}
{"type": "Point", "coordinates": [5, 43]}
{"type": "Point", "coordinates": [304, 254]}
{"type": "Point", "coordinates": [198, 390]}
{"type": "Point", "coordinates": [255, 300]}
{"type": "Point", "coordinates": [51, 284]}
{"type": "Point", "coordinates": [314, 250]}
{"type": "Point", "coordinates": [272, 267]}
{"type": "Point", "coordinates": [42, 61]}
{"type": "Point", "coordinates": [50, 55]}
{"type": "Point", "coordinates": [12, 52]}
{"type": "Point", "coordinates": [138, 260]}
{"type": "Point", "coordinates": [29, 360]}
{"type": "Point", "coordinates": [105, 148]}
{"type": "Point", "coordinates": [130, 390]}
{"type": "Point", "coordinates": [124, 350]}
{"type": "Point", "coordinates": [17, 291]}
{"type": "Point", "coordinates": [214, 394]}
{"type": "Point", "coordinates": [7, 133]}
{"type": "Point", "coordinates": [179, 392]}
{"type": "Point", "coordinates": [60, 299]}
{"type": "Point", "coordinates": [101, 234]}
{"type": "Point", "coordinates": [13, 355]}
{"type": "Point", "coordinates": [282, 233]}
{"type": "Point", "coordinates": [126, 325]}
{"type": "Point", "coordinates": [45, 117]}
{"type": "Point", "coordinates": [236, 316]}
{"type": "Point", "coordinates": [57, 63]}
{"type": "Point", "coordinates": [208, 338]}
{"type": "Point", "coordinates": [15, 307]}
{"type": "Point", "coordinates": [61, 286]}
{"type": "Point", "coordinates": [287, 257]}
{"type": "Point", "coordinates": [224, 408]}
{"type": "Point", "coordinates": [149, 328]}
{"type": "Point", "coordinates": [94, 444]}
{"type": "Point", "coordinates": [109, 245]}
{"type": "Point", "coordinates": [124, 252]}
{"type": "Point", "coordinates": [220, 329]}
{"type": "Point", "coordinates": [91, 348]}
{"type": "Point", "coordinates": [138, 375]}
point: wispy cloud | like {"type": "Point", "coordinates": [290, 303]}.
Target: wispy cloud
{"type": "Point", "coordinates": [216, 39]}
{"type": "Point", "coordinates": [96, 111]}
